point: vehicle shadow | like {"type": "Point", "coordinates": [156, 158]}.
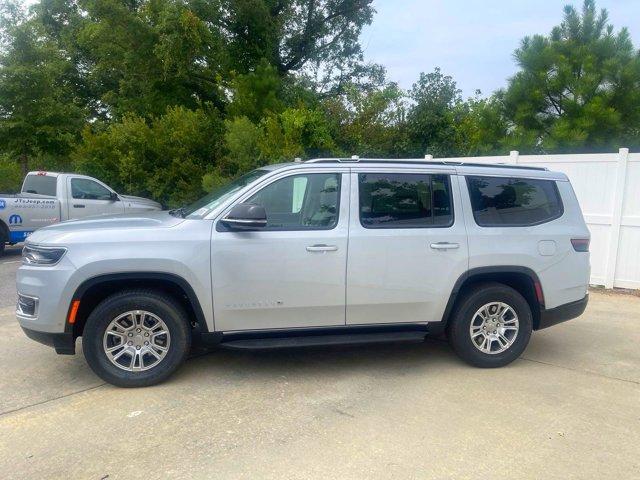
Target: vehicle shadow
{"type": "Point", "coordinates": [11, 252]}
{"type": "Point", "coordinates": [222, 363]}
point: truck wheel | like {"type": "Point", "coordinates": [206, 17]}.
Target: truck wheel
{"type": "Point", "coordinates": [490, 326]}
{"type": "Point", "coordinates": [4, 238]}
{"type": "Point", "coordinates": [136, 338]}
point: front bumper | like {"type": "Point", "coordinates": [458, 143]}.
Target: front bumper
{"type": "Point", "coordinates": [562, 313]}
{"type": "Point", "coordinates": [64, 343]}
{"type": "Point", "coordinates": [52, 287]}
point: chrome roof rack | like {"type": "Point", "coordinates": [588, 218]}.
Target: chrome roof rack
{"type": "Point", "coordinates": [356, 159]}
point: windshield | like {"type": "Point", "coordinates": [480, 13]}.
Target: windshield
{"type": "Point", "coordinates": [220, 194]}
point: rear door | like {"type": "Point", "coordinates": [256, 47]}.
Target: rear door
{"type": "Point", "coordinates": [87, 198]}
{"type": "Point", "coordinates": [407, 245]}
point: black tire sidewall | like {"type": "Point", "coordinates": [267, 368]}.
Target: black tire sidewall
{"type": "Point", "coordinates": [172, 315]}
{"type": "Point", "coordinates": [460, 338]}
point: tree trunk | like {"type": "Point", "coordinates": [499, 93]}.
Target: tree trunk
{"type": "Point", "coordinates": [24, 164]}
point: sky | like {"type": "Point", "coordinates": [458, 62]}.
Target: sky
{"type": "Point", "coordinates": [471, 40]}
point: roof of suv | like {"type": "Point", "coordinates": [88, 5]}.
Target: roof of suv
{"type": "Point", "coordinates": [462, 168]}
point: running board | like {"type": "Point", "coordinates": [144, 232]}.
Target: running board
{"type": "Point", "coordinates": [323, 340]}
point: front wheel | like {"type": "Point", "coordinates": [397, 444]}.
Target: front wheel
{"type": "Point", "coordinates": [136, 338]}
{"type": "Point", "coordinates": [490, 326]}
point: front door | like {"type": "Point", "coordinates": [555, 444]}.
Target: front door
{"type": "Point", "coordinates": [407, 245]}
{"type": "Point", "coordinates": [290, 273]}
{"type": "Point", "coordinates": [88, 198]}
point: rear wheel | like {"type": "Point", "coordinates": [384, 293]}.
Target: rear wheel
{"type": "Point", "coordinates": [490, 326]}
{"type": "Point", "coordinates": [4, 238]}
{"type": "Point", "coordinates": [136, 338]}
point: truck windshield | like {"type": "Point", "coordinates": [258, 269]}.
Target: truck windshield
{"type": "Point", "coordinates": [220, 194]}
{"type": "Point", "coordinates": [40, 184]}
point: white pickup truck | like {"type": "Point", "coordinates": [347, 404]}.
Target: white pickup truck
{"type": "Point", "coordinates": [48, 197]}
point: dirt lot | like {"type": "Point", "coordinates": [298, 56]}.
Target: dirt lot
{"type": "Point", "coordinates": [570, 408]}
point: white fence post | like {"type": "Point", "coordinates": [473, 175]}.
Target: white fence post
{"type": "Point", "coordinates": [616, 219]}
{"type": "Point", "coordinates": [513, 156]}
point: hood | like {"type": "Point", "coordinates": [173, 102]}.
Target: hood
{"type": "Point", "coordinates": [142, 220]}
{"type": "Point", "coordinates": [140, 200]}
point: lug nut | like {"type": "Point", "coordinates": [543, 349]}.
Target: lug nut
{"type": "Point", "coordinates": [137, 347]}
{"type": "Point", "coordinates": [146, 343]}
{"type": "Point", "coordinates": [146, 334]}
{"type": "Point", "coordinates": [130, 334]}
{"type": "Point", "coordinates": [130, 343]}
{"type": "Point", "coordinates": [139, 330]}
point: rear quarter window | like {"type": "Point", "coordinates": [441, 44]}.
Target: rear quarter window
{"type": "Point", "coordinates": [512, 201]}
{"type": "Point", "coordinates": [40, 184]}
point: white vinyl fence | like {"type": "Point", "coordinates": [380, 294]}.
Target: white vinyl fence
{"type": "Point", "coordinates": [608, 189]}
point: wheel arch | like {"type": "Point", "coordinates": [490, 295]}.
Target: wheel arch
{"type": "Point", "coordinates": [522, 279]}
{"type": "Point", "coordinates": [92, 291]}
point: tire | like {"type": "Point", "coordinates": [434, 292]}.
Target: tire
{"type": "Point", "coordinates": [508, 343]}
{"type": "Point", "coordinates": [154, 313]}
{"type": "Point", "coordinates": [4, 238]}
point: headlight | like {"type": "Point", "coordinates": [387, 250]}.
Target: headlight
{"type": "Point", "coordinates": [32, 255]}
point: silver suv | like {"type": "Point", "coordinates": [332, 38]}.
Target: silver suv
{"type": "Point", "coordinates": [328, 251]}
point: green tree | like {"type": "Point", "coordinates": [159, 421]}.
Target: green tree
{"type": "Point", "coordinates": [296, 132]}
{"type": "Point", "coordinates": [369, 122]}
{"type": "Point", "coordinates": [256, 94]}
{"type": "Point", "coordinates": [578, 88]}
{"type": "Point", "coordinates": [146, 56]}
{"type": "Point", "coordinates": [290, 34]}
{"type": "Point", "coordinates": [242, 138]}
{"type": "Point", "coordinates": [10, 174]}
{"type": "Point", "coordinates": [480, 127]}
{"type": "Point", "coordinates": [39, 112]}
{"type": "Point", "coordinates": [165, 158]}
{"type": "Point", "coordinates": [431, 115]}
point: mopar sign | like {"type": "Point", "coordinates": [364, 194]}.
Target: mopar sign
{"type": "Point", "coordinates": [3, 204]}
{"type": "Point", "coordinates": [15, 220]}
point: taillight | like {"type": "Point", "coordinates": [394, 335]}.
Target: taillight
{"type": "Point", "coordinates": [580, 244]}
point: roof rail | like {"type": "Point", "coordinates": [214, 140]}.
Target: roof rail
{"type": "Point", "coordinates": [422, 161]}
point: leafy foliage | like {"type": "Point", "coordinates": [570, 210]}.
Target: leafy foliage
{"type": "Point", "coordinates": [164, 158]}
{"type": "Point", "coordinates": [39, 113]}
{"type": "Point", "coordinates": [578, 88]}
{"type": "Point", "coordinates": [170, 98]}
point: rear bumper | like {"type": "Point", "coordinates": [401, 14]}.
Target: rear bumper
{"type": "Point", "coordinates": [64, 343]}
{"type": "Point", "coordinates": [562, 313]}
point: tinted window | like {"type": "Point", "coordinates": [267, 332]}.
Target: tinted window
{"type": "Point", "coordinates": [498, 201]}
{"type": "Point", "coordinates": [40, 184]}
{"type": "Point", "coordinates": [404, 200]}
{"type": "Point", "coordinates": [301, 202]}
{"type": "Point", "coordinates": [84, 189]}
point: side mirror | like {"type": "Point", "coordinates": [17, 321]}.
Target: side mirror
{"type": "Point", "coordinates": [246, 216]}
{"type": "Point", "coordinates": [113, 196]}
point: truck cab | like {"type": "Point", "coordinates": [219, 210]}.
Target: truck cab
{"type": "Point", "coordinates": [50, 197]}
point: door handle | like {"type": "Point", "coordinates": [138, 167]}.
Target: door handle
{"type": "Point", "coordinates": [77, 205]}
{"type": "Point", "coordinates": [322, 248]}
{"type": "Point", "coordinates": [445, 245]}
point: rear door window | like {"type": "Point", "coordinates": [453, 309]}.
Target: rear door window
{"type": "Point", "coordinates": [513, 202]}
{"type": "Point", "coordinates": [404, 200]}
{"type": "Point", "coordinates": [40, 184]}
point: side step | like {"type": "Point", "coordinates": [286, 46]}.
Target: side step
{"type": "Point", "coordinates": [323, 340]}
